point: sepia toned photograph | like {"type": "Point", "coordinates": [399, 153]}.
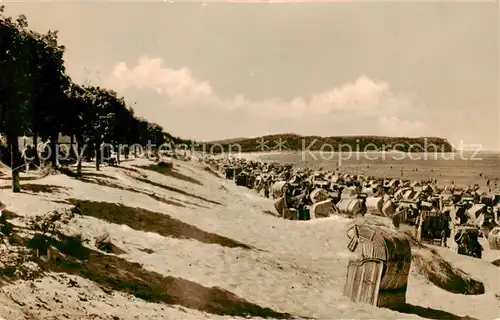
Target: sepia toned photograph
{"type": "Point", "coordinates": [249, 159]}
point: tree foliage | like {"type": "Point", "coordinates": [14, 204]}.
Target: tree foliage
{"type": "Point", "coordinates": [38, 98]}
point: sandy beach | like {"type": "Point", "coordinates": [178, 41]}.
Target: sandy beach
{"type": "Point", "coordinates": [212, 236]}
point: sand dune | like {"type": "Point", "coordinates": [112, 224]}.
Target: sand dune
{"type": "Point", "coordinates": [190, 245]}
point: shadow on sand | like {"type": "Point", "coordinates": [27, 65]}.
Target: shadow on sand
{"type": "Point", "coordinates": [100, 179]}
{"type": "Point", "coordinates": [150, 221]}
{"type": "Point", "coordinates": [430, 313]}
{"type": "Point", "coordinates": [64, 254]}
{"type": "Point", "coordinates": [38, 188]}
{"type": "Point", "coordinates": [22, 178]}
{"type": "Point", "coordinates": [110, 272]}
{"type": "Point", "coordinates": [173, 189]}
{"type": "Point", "coordinates": [169, 170]}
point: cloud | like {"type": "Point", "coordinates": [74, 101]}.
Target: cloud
{"type": "Point", "coordinates": [364, 105]}
{"type": "Point", "coordinates": [177, 85]}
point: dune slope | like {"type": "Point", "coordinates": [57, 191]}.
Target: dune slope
{"type": "Point", "coordinates": [184, 243]}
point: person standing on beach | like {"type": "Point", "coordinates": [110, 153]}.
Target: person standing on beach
{"type": "Point", "coordinates": [445, 233]}
{"type": "Point", "coordinates": [24, 156]}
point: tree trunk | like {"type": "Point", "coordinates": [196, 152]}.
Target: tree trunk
{"type": "Point", "coordinates": [118, 150]}
{"type": "Point", "coordinates": [54, 154]}
{"type": "Point", "coordinates": [71, 147]}
{"type": "Point", "coordinates": [97, 154]}
{"type": "Point", "coordinates": [36, 159]}
{"type": "Point", "coordinates": [79, 158]}
{"type": "Point", "coordinates": [15, 161]}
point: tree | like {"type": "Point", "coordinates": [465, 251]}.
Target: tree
{"type": "Point", "coordinates": [118, 124]}
{"type": "Point", "coordinates": [100, 121]}
{"type": "Point", "coordinates": [39, 98]}
{"type": "Point", "coordinates": [51, 86]}
{"type": "Point", "coordinates": [79, 106]}
{"type": "Point", "coordinates": [15, 87]}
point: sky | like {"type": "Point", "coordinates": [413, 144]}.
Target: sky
{"type": "Point", "coordinates": [209, 71]}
